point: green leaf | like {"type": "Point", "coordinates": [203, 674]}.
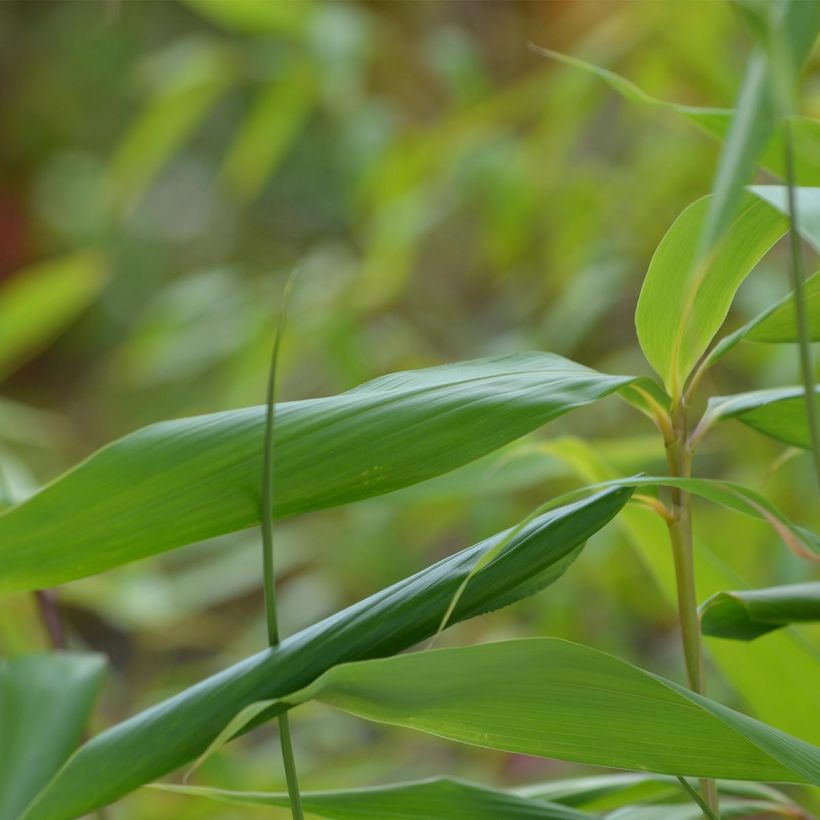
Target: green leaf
{"type": "Point", "coordinates": [270, 128]}
{"type": "Point", "coordinates": [441, 798]}
{"type": "Point", "coordinates": [192, 75]}
{"type": "Point", "coordinates": [45, 703]}
{"type": "Point", "coordinates": [776, 324]}
{"type": "Point", "coordinates": [610, 791]}
{"type": "Point", "coordinates": [716, 122]}
{"type": "Point", "coordinates": [174, 732]}
{"type": "Point", "coordinates": [779, 413]}
{"type": "Point", "coordinates": [729, 494]}
{"type": "Point", "coordinates": [680, 310]}
{"type": "Point", "coordinates": [37, 303]}
{"type": "Point", "coordinates": [794, 658]}
{"type": "Point", "coordinates": [183, 481]}
{"type": "Point", "coordinates": [553, 698]}
{"type": "Point", "coordinates": [728, 809]}
{"type": "Point", "coordinates": [746, 614]}
{"type": "Point", "coordinates": [253, 17]}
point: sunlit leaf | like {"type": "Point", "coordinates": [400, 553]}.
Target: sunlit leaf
{"type": "Point", "coordinates": [552, 698]}
{"type": "Point", "coordinates": [749, 613]}
{"type": "Point", "coordinates": [679, 312]}
{"type": "Point", "coordinates": [438, 799]}
{"type": "Point", "coordinates": [37, 303]}
{"type": "Point", "coordinates": [45, 703]}
{"type": "Point", "coordinates": [173, 733]}
{"type": "Point", "coordinates": [182, 481]}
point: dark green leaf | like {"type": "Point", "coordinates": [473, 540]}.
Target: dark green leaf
{"type": "Point", "coordinates": [749, 613]}
{"type": "Point", "coordinates": [176, 731]}
{"type": "Point", "coordinates": [182, 481]}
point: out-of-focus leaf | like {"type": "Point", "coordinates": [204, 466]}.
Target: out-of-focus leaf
{"type": "Point", "coordinates": [746, 614]}
{"type": "Point", "coordinates": [271, 126]}
{"type": "Point", "coordinates": [45, 703]}
{"type": "Point", "coordinates": [717, 121]}
{"type": "Point", "coordinates": [441, 798]}
{"type": "Point", "coordinates": [178, 482]}
{"type": "Point", "coordinates": [552, 698]}
{"type": "Point", "coordinates": [255, 16]}
{"type": "Point", "coordinates": [779, 413]}
{"type": "Point", "coordinates": [40, 301]}
{"type": "Point", "coordinates": [679, 311]}
{"type": "Point", "coordinates": [778, 323]}
{"type": "Point", "coordinates": [176, 731]}
{"type": "Point", "coordinates": [193, 75]}
{"type": "Point", "coordinates": [794, 658]}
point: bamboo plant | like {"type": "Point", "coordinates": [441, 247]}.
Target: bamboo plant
{"type": "Point", "coordinates": [180, 482]}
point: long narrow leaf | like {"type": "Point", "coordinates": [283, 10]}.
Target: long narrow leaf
{"type": "Point", "coordinates": [437, 799]}
{"type": "Point", "coordinates": [177, 482]}
{"type": "Point", "coordinates": [553, 698]}
{"type": "Point", "coordinates": [45, 703]}
{"type": "Point", "coordinates": [174, 732]}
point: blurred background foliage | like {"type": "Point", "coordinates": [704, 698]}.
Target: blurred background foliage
{"type": "Point", "coordinates": [446, 193]}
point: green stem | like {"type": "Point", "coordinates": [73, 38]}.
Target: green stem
{"type": "Point", "coordinates": [803, 334]}
{"type": "Point", "coordinates": [268, 570]}
{"type": "Point", "coordinates": [679, 524]}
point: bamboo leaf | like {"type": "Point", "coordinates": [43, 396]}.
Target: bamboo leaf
{"type": "Point", "coordinates": [716, 122]}
{"type": "Point", "coordinates": [273, 123]}
{"type": "Point", "coordinates": [192, 76]}
{"type": "Point", "coordinates": [182, 481]}
{"type": "Point", "coordinates": [174, 732]}
{"type": "Point", "coordinates": [729, 494]}
{"type": "Point", "coordinates": [776, 324]}
{"type": "Point", "coordinates": [794, 658]}
{"type": "Point", "coordinates": [728, 809]}
{"type": "Point", "coordinates": [253, 17]}
{"type": "Point", "coordinates": [441, 798]}
{"type": "Point", "coordinates": [779, 413]}
{"type": "Point", "coordinates": [611, 791]}
{"type": "Point", "coordinates": [678, 314]}
{"type": "Point", "coordinates": [45, 703]}
{"type": "Point", "coordinates": [40, 301]}
{"type": "Point", "coordinates": [746, 614]}
{"type": "Point", "coordinates": [553, 698]}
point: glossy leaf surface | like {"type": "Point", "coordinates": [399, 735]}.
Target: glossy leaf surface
{"type": "Point", "coordinates": [176, 731]}
{"type": "Point", "coordinates": [178, 482]}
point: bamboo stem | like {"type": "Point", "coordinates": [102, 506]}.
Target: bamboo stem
{"type": "Point", "coordinates": [679, 459]}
